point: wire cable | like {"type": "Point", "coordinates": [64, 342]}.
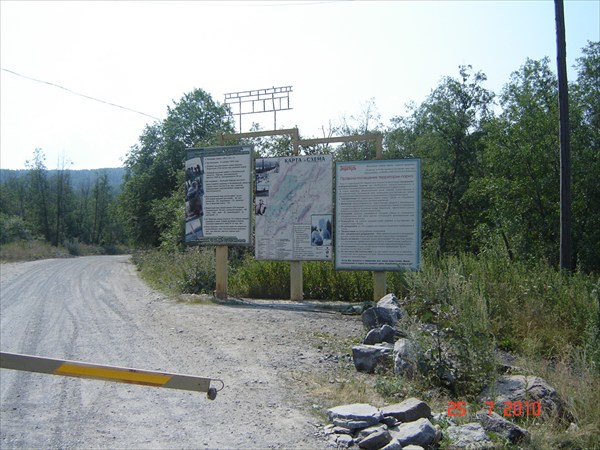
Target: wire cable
{"type": "Point", "coordinates": [77, 93]}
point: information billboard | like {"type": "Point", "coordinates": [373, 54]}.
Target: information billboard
{"type": "Point", "coordinates": [218, 200]}
{"type": "Point", "coordinates": [293, 208]}
{"type": "Point", "coordinates": [378, 215]}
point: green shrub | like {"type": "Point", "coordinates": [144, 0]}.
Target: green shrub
{"type": "Point", "coordinates": [13, 228]}
{"type": "Point", "coordinates": [322, 282]}
{"type": "Point", "coordinates": [191, 271]}
{"type": "Point", "coordinates": [260, 279]}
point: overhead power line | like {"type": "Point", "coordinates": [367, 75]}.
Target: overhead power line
{"type": "Point", "coordinates": [78, 93]}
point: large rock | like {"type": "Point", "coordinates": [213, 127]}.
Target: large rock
{"type": "Point", "coordinates": [386, 312]}
{"type": "Point", "coordinates": [375, 441]}
{"type": "Point", "coordinates": [378, 335]}
{"type": "Point", "coordinates": [367, 357]}
{"type": "Point", "coordinates": [395, 445]}
{"type": "Point", "coordinates": [343, 441]}
{"type": "Point", "coordinates": [405, 358]}
{"type": "Point", "coordinates": [469, 436]}
{"type": "Point", "coordinates": [498, 424]}
{"type": "Point", "coordinates": [390, 302]}
{"type": "Point", "coordinates": [409, 410]}
{"type": "Point", "coordinates": [420, 432]}
{"type": "Point", "coordinates": [520, 388]}
{"type": "Point", "coordinates": [355, 416]}
{"type": "Point", "coordinates": [376, 317]}
{"type": "Point", "coordinates": [373, 429]}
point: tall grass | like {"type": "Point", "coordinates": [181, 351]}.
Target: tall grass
{"type": "Point", "coordinates": [526, 307]}
{"type": "Point", "coordinates": [189, 272]}
{"type": "Point", "coordinates": [28, 250]}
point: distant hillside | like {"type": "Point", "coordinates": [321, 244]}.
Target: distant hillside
{"type": "Point", "coordinates": [79, 178]}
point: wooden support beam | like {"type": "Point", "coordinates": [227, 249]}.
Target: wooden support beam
{"type": "Point", "coordinates": [221, 271]}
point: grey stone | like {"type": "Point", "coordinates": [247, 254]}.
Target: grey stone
{"type": "Point", "coordinates": [420, 432]}
{"type": "Point", "coordinates": [520, 388]}
{"type": "Point", "coordinates": [386, 312]}
{"type": "Point", "coordinates": [413, 447]}
{"type": "Point", "coordinates": [505, 428]}
{"type": "Point", "coordinates": [375, 441]}
{"type": "Point", "coordinates": [373, 337]}
{"type": "Point", "coordinates": [374, 429]}
{"type": "Point", "coordinates": [367, 357]}
{"type": "Point", "coordinates": [390, 302]}
{"type": "Point", "coordinates": [344, 441]}
{"type": "Point", "coordinates": [383, 334]}
{"type": "Point", "coordinates": [394, 444]}
{"type": "Point", "coordinates": [468, 436]}
{"type": "Point", "coordinates": [409, 410]}
{"type": "Point", "coordinates": [390, 421]}
{"type": "Point", "coordinates": [405, 358]}
{"type": "Point", "coordinates": [376, 317]}
{"type": "Point", "coordinates": [354, 416]}
{"type": "Point", "coordinates": [341, 430]}
{"type": "Point", "coordinates": [388, 334]}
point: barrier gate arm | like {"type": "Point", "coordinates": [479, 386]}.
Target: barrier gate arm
{"type": "Point", "coordinates": [108, 373]}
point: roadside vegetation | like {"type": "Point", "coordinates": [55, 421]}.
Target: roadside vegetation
{"type": "Point", "coordinates": [490, 231]}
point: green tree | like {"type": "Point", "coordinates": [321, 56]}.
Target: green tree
{"type": "Point", "coordinates": [521, 165]}
{"type": "Point", "coordinates": [153, 165]}
{"type": "Point", "coordinates": [101, 196]}
{"type": "Point", "coordinates": [585, 158]}
{"type": "Point", "coordinates": [39, 193]}
{"type": "Point", "coordinates": [445, 132]}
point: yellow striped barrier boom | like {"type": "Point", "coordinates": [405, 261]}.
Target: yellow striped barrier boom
{"type": "Point", "coordinates": [77, 369]}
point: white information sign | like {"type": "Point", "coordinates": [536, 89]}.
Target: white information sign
{"type": "Point", "coordinates": [293, 208]}
{"type": "Point", "coordinates": [378, 215]}
{"type": "Point", "coordinates": [218, 201]}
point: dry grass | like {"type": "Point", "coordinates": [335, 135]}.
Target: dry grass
{"type": "Point", "coordinates": [29, 251]}
{"type": "Point", "coordinates": [580, 390]}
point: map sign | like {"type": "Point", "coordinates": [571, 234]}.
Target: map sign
{"type": "Point", "coordinates": [293, 208]}
{"type": "Point", "coordinates": [378, 215]}
{"type": "Point", "coordinates": [218, 201]}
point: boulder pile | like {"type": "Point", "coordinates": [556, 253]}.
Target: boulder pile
{"type": "Point", "coordinates": [410, 425]}
{"type": "Point", "coordinates": [384, 344]}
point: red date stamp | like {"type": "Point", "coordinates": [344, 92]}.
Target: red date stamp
{"type": "Point", "coordinates": [511, 409]}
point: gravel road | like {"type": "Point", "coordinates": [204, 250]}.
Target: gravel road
{"type": "Point", "coordinates": [97, 309]}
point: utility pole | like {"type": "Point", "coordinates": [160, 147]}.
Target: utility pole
{"type": "Point", "coordinates": [566, 259]}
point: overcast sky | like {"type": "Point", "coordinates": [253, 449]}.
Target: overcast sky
{"type": "Point", "coordinates": [337, 55]}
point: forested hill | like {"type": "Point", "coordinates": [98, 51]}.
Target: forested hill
{"type": "Point", "coordinates": [78, 178]}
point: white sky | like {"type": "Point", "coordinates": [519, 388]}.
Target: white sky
{"type": "Point", "coordinates": [337, 55]}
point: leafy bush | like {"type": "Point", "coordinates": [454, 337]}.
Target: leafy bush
{"type": "Point", "coordinates": [529, 308]}
{"type": "Point", "coordinates": [13, 228]}
{"type": "Point", "coordinates": [30, 250]}
{"type": "Point", "coordinates": [322, 282]}
{"type": "Point", "coordinates": [261, 279]}
{"type": "Point", "coordinates": [191, 271]}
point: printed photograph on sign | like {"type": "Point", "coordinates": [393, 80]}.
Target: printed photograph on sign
{"type": "Point", "coordinates": [193, 199]}
{"type": "Point", "coordinates": [321, 230]}
{"type": "Point", "coordinates": [263, 168]}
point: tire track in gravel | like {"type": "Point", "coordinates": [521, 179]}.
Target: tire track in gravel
{"type": "Point", "coordinates": [96, 309]}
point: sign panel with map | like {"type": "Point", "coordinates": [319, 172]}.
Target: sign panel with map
{"type": "Point", "coordinates": [293, 208]}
